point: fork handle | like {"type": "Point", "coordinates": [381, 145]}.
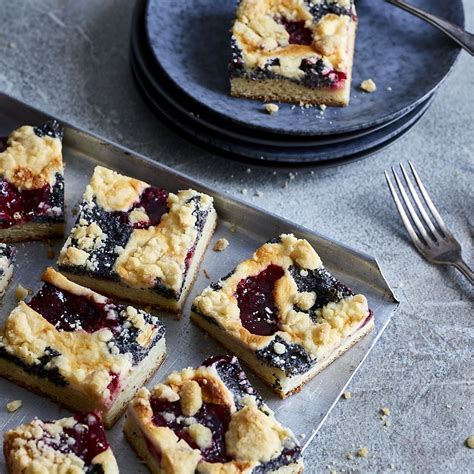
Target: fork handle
{"type": "Point", "coordinates": [465, 270]}
{"type": "Point", "coordinates": [456, 33]}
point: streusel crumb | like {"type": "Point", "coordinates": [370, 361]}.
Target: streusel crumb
{"type": "Point", "coordinates": [21, 292]}
{"type": "Point", "coordinates": [470, 442]}
{"type": "Point", "coordinates": [14, 405]}
{"type": "Point", "coordinates": [271, 108]}
{"type": "Point", "coordinates": [221, 245]}
{"type": "Point", "coordinates": [385, 411]}
{"type": "Point", "coordinates": [347, 395]}
{"type": "Point", "coordinates": [363, 452]}
{"type": "Point", "coordinates": [368, 85]}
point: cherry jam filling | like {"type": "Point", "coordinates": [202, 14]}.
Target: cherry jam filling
{"type": "Point", "coordinates": [299, 34]}
{"type": "Point", "coordinates": [258, 311]}
{"type": "Point", "coordinates": [215, 417]}
{"type": "Point", "coordinates": [155, 202]}
{"type": "Point", "coordinates": [114, 384]}
{"type": "Point", "coordinates": [69, 312]}
{"type": "Point", "coordinates": [88, 435]}
{"type": "Point", "coordinates": [20, 206]}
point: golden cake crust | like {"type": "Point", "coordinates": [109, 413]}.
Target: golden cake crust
{"type": "Point", "coordinates": [253, 437]}
{"type": "Point", "coordinates": [334, 321]}
{"type": "Point", "coordinates": [30, 161]}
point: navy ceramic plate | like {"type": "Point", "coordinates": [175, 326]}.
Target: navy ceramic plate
{"type": "Point", "coordinates": [190, 40]}
{"type": "Point", "coordinates": [325, 155]}
{"type": "Point", "coordinates": [178, 99]}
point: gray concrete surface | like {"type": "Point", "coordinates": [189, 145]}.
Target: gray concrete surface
{"type": "Point", "coordinates": [71, 59]}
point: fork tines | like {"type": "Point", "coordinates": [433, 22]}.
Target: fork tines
{"type": "Point", "coordinates": [423, 229]}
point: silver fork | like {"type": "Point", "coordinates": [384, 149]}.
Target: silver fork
{"type": "Point", "coordinates": [431, 238]}
{"type": "Point", "coordinates": [455, 32]}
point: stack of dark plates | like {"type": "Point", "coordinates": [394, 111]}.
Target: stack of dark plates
{"type": "Point", "coordinates": [179, 53]}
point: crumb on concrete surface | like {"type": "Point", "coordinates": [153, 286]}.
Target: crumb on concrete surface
{"type": "Point", "coordinates": [470, 442]}
{"type": "Point", "coordinates": [271, 108]}
{"type": "Point", "coordinates": [363, 452]}
{"type": "Point", "coordinates": [243, 190]}
{"type": "Point", "coordinates": [385, 411]}
{"type": "Point", "coordinates": [258, 193]}
{"type": "Point", "coordinates": [346, 395]}
{"type": "Point", "coordinates": [248, 170]}
{"type": "Point", "coordinates": [349, 456]}
{"type": "Point", "coordinates": [14, 405]}
{"type": "Point", "coordinates": [206, 274]}
{"type": "Point", "coordinates": [368, 85]}
{"type": "Point", "coordinates": [21, 292]}
{"type": "Point", "coordinates": [391, 466]}
{"type": "Point", "coordinates": [221, 245]}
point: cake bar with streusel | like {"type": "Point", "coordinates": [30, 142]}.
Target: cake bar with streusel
{"type": "Point", "coordinates": [283, 313]}
{"type": "Point", "coordinates": [209, 420]}
{"type": "Point", "coordinates": [68, 446]}
{"type": "Point", "coordinates": [80, 348]}
{"type": "Point", "coordinates": [137, 241]}
{"type": "Point", "coordinates": [32, 183]}
{"type": "Point", "coordinates": [298, 51]}
{"type": "Point", "coordinates": [7, 260]}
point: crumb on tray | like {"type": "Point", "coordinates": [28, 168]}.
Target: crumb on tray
{"type": "Point", "coordinates": [21, 292]}
{"type": "Point", "coordinates": [271, 108]}
{"type": "Point", "coordinates": [14, 405]}
{"type": "Point", "coordinates": [368, 85]}
{"type": "Point", "coordinates": [221, 245]}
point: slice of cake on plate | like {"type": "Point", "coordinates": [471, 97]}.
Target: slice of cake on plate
{"type": "Point", "coordinates": [298, 51]}
{"type": "Point", "coordinates": [7, 260]}
{"type": "Point", "coordinates": [32, 183]}
{"type": "Point", "coordinates": [80, 348]}
{"type": "Point", "coordinates": [209, 420]}
{"type": "Point", "coordinates": [137, 241]}
{"type": "Point", "coordinates": [283, 314]}
{"type": "Point", "coordinates": [70, 446]}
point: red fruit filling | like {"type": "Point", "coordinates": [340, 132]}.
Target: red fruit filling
{"type": "Point", "coordinates": [299, 34]}
{"type": "Point", "coordinates": [258, 311]}
{"type": "Point", "coordinates": [215, 417]}
{"type": "Point", "coordinates": [69, 312]}
{"type": "Point", "coordinates": [88, 435]}
{"type": "Point", "coordinates": [20, 206]}
{"type": "Point", "coordinates": [155, 202]}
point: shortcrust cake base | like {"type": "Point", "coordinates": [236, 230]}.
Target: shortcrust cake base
{"type": "Point", "coordinates": [76, 401]}
{"type": "Point", "coordinates": [285, 90]}
{"type": "Point", "coordinates": [146, 296]}
{"type": "Point", "coordinates": [276, 379]}
{"type": "Point", "coordinates": [32, 231]}
{"type": "Point", "coordinates": [134, 436]}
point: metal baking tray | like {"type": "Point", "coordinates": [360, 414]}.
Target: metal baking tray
{"type": "Point", "coordinates": [304, 412]}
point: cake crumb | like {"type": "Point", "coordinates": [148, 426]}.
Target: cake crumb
{"type": "Point", "coordinates": [243, 190]}
{"type": "Point", "coordinates": [323, 107]}
{"type": "Point", "coordinates": [221, 245]}
{"type": "Point", "coordinates": [21, 292]}
{"type": "Point", "coordinates": [11, 45]}
{"type": "Point", "coordinates": [389, 89]}
{"type": "Point", "coordinates": [368, 85]}
{"type": "Point", "coordinates": [391, 466]}
{"type": "Point", "coordinates": [346, 395]}
{"type": "Point", "coordinates": [363, 452]}
{"type": "Point", "coordinates": [14, 405]}
{"type": "Point", "coordinates": [50, 253]}
{"type": "Point", "coordinates": [271, 108]}
{"type": "Point", "coordinates": [248, 170]}
{"type": "Point", "coordinates": [449, 406]}
{"type": "Point", "coordinates": [385, 411]}
{"type": "Point", "coordinates": [206, 274]}
{"type": "Point", "coordinates": [470, 442]}
{"type": "Point", "coordinates": [302, 435]}
{"type": "Point", "coordinates": [387, 423]}
{"type": "Point", "coordinates": [349, 456]}
{"type": "Point", "coordinates": [258, 193]}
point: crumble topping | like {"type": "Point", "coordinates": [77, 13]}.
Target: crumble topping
{"type": "Point", "coordinates": [363, 452]}
{"type": "Point", "coordinates": [346, 395]}
{"type": "Point", "coordinates": [317, 330]}
{"type": "Point", "coordinates": [262, 32]}
{"type": "Point", "coordinates": [86, 360]}
{"type": "Point", "coordinates": [113, 191]}
{"type": "Point", "coordinates": [31, 161]}
{"type": "Point", "coordinates": [190, 398]}
{"type": "Point", "coordinates": [368, 85]}
{"type": "Point", "coordinates": [252, 438]}
{"type": "Point", "coordinates": [470, 442]}
{"type": "Point", "coordinates": [221, 245]}
{"type": "Point", "coordinates": [141, 254]}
